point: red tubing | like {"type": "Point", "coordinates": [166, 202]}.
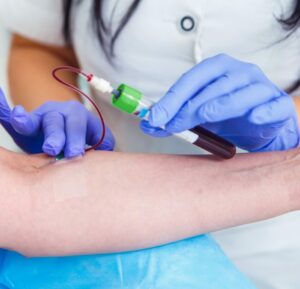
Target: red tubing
{"type": "Point", "coordinates": [88, 77]}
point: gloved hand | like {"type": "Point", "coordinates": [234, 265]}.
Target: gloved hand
{"type": "Point", "coordinates": [54, 127]}
{"type": "Point", "coordinates": [190, 264]}
{"type": "Point", "coordinates": [233, 99]}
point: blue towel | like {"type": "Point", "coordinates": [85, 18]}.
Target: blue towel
{"type": "Point", "coordinates": [196, 263]}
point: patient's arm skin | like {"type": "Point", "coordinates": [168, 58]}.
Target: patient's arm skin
{"type": "Point", "coordinates": [109, 202]}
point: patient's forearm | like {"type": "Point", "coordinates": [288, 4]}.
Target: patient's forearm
{"type": "Point", "coordinates": [109, 202]}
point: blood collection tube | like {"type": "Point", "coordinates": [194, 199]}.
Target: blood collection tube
{"type": "Point", "coordinates": [132, 101]}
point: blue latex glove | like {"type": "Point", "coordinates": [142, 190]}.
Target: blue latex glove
{"type": "Point", "coordinates": [190, 264]}
{"type": "Point", "coordinates": [235, 100]}
{"type": "Point", "coordinates": [54, 127]}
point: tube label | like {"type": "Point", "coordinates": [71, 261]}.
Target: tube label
{"type": "Point", "coordinates": [188, 136]}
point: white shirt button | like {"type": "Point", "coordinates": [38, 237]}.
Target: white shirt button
{"type": "Point", "coordinates": [187, 23]}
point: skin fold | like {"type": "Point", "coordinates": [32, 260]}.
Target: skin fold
{"type": "Point", "coordinates": [110, 202]}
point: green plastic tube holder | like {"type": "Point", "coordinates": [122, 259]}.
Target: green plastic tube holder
{"type": "Point", "coordinates": [128, 99]}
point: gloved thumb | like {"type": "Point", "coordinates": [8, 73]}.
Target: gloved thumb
{"type": "Point", "coordinates": [27, 124]}
{"type": "Point", "coordinates": [153, 131]}
{"type": "Point", "coordinates": [108, 142]}
{"type": "Point", "coordinates": [5, 111]}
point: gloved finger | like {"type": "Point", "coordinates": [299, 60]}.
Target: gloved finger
{"type": "Point", "coordinates": [5, 110]}
{"type": "Point", "coordinates": [278, 110]}
{"type": "Point", "coordinates": [54, 133]}
{"type": "Point", "coordinates": [5, 118]}
{"type": "Point", "coordinates": [221, 108]}
{"type": "Point", "coordinates": [49, 106]}
{"type": "Point", "coordinates": [27, 124]}
{"type": "Point", "coordinates": [153, 131]}
{"type": "Point", "coordinates": [76, 130]}
{"type": "Point", "coordinates": [237, 103]}
{"type": "Point", "coordinates": [190, 84]}
{"type": "Point", "coordinates": [187, 117]}
{"type": "Point", "coordinates": [94, 133]}
{"type": "Point", "coordinates": [108, 143]}
{"type": "Point", "coordinates": [226, 84]}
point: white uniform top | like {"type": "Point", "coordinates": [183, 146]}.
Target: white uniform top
{"type": "Point", "coordinates": [151, 53]}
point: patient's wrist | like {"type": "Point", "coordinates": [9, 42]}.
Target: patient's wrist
{"type": "Point", "coordinates": [284, 176]}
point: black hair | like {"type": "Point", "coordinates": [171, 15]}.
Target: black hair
{"type": "Point", "coordinates": [290, 23]}
{"type": "Point", "coordinates": [99, 25]}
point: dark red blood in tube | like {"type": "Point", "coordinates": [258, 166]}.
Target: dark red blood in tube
{"type": "Point", "coordinates": [214, 143]}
